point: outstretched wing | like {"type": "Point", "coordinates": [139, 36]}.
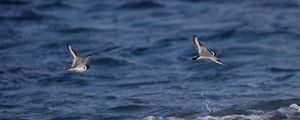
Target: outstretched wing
{"type": "Point", "coordinates": [87, 60]}
{"type": "Point", "coordinates": [74, 55]}
{"type": "Point", "coordinates": [200, 47]}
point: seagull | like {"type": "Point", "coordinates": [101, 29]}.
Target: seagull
{"type": "Point", "coordinates": [204, 53]}
{"type": "Point", "coordinates": [77, 65]}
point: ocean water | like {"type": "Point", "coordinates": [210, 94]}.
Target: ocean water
{"type": "Point", "coordinates": [141, 66]}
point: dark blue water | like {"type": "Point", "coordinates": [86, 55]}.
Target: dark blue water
{"type": "Point", "coordinates": [141, 62]}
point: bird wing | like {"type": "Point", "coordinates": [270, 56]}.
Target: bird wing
{"type": "Point", "coordinates": [200, 47]}
{"type": "Point", "coordinates": [206, 53]}
{"type": "Point", "coordinates": [74, 55]}
{"type": "Point", "coordinates": [87, 60]}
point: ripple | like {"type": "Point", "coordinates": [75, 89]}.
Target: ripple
{"type": "Point", "coordinates": [223, 34]}
{"type": "Point", "coordinates": [52, 45]}
{"type": "Point", "coordinates": [231, 111]}
{"type": "Point", "coordinates": [182, 114]}
{"type": "Point", "coordinates": [139, 51]}
{"type": "Point", "coordinates": [80, 30]}
{"type": "Point", "coordinates": [102, 117]}
{"type": "Point", "coordinates": [55, 5]}
{"type": "Point", "coordinates": [140, 5]}
{"type": "Point", "coordinates": [279, 4]}
{"type": "Point", "coordinates": [67, 118]}
{"type": "Point", "coordinates": [111, 97]}
{"type": "Point", "coordinates": [28, 16]}
{"type": "Point", "coordinates": [241, 51]}
{"type": "Point", "coordinates": [285, 77]}
{"type": "Point", "coordinates": [214, 1]}
{"type": "Point", "coordinates": [14, 2]}
{"type": "Point", "coordinates": [111, 48]}
{"type": "Point", "coordinates": [168, 41]}
{"type": "Point", "coordinates": [143, 83]}
{"type": "Point", "coordinates": [274, 104]}
{"type": "Point", "coordinates": [16, 69]}
{"type": "Point", "coordinates": [59, 102]}
{"type": "Point", "coordinates": [278, 70]}
{"type": "Point", "coordinates": [54, 80]}
{"type": "Point", "coordinates": [7, 106]}
{"type": "Point", "coordinates": [111, 61]}
{"type": "Point", "coordinates": [128, 108]}
{"type": "Point", "coordinates": [281, 113]}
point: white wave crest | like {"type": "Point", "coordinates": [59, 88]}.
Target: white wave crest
{"type": "Point", "coordinates": [291, 112]}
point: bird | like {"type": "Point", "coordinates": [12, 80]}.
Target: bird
{"type": "Point", "coordinates": [77, 64]}
{"type": "Point", "coordinates": [204, 53]}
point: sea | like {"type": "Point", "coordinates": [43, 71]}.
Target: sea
{"type": "Point", "coordinates": [141, 67]}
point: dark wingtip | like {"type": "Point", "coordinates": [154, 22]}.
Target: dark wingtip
{"type": "Point", "coordinates": [194, 58]}
{"type": "Point", "coordinates": [226, 65]}
{"type": "Point", "coordinates": [194, 36]}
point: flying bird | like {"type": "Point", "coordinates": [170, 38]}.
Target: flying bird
{"type": "Point", "coordinates": [204, 53]}
{"type": "Point", "coordinates": [77, 64]}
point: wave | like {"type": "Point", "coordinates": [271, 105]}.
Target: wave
{"type": "Point", "coordinates": [284, 77]}
{"type": "Point", "coordinates": [63, 80]}
{"type": "Point", "coordinates": [14, 2]}
{"type": "Point", "coordinates": [291, 112]}
{"type": "Point", "coordinates": [8, 106]}
{"type": "Point", "coordinates": [128, 108]}
{"type": "Point", "coordinates": [214, 1]}
{"type": "Point", "coordinates": [280, 70]}
{"type": "Point", "coordinates": [27, 15]}
{"type": "Point", "coordinates": [277, 4]}
{"type": "Point", "coordinates": [80, 30]}
{"type": "Point", "coordinates": [112, 61]}
{"type": "Point", "coordinates": [67, 118]}
{"type": "Point", "coordinates": [55, 5]}
{"type": "Point", "coordinates": [140, 5]}
{"type": "Point", "coordinates": [143, 83]}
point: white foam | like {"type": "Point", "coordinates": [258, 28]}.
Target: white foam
{"type": "Point", "coordinates": [291, 112]}
{"type": "Point", "coordinates": [295, 106]}
{"type": "Point", "coordinates": [152, 118]}
{"type": "Point", "coordinates": [160, 118]}
{"type": "Point", "coordinates": [231, 117]}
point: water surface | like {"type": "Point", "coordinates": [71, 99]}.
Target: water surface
{"type": "Point", "coordinates": [141, 58]}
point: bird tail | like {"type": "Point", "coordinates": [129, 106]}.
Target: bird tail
{"type": "Point", "coordinates": [221, 63]}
